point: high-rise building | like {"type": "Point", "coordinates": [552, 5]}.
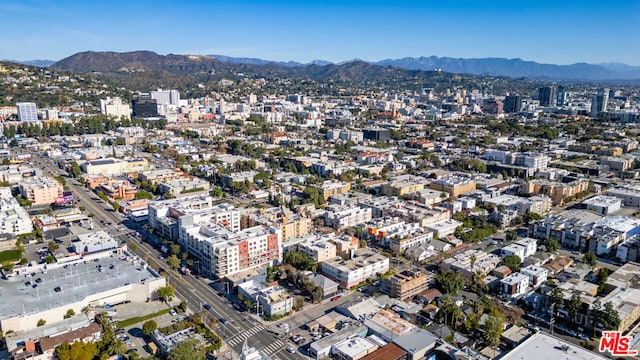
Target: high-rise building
{"type": "Point", "coordinates": [166, 97]}
{"type": "Point", "coordinates": [599, 103]}
{"type": "Point", "coordinates": [115, 106]}
{"type": "Point", "coordinates": [561, 97]}
{"type": "Point", "coordinates": [27, 111]}
{"type": "Point", "coordinates": [512, 104]}
{"type": "Point", "coordinates": [145, 107]}
{"type": "Point", "coordinates": [547, 95]}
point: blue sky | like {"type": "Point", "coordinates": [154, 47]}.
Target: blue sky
{"type": "Point", "coordinates": [547, 31]}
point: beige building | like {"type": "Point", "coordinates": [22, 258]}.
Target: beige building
{"type": "Point", "coordinates": [41, 190]}
{"type": "Point", "coordinates": [330, 188]}
{"type": "Point", "coordinates": [406, 284]}
{"type": "Point", "coordinates": [399, 188]}
{"type": "Point", "coordinates": [112, 167]}
{"type": "Point", "coordinates": [319, 251]}
{"type": "Point", "coordinates": [455, 185]}
{"type": "Point", "coordinates": [290, 224]}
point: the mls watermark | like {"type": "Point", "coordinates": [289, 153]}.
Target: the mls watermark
{"type": "Point", "coordinates": [616, 344]}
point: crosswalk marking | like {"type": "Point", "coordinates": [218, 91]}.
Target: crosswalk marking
{"type": "Point", "coordinates": [277, 345]}
{"type": "Point", "coordinates": [244, 335]}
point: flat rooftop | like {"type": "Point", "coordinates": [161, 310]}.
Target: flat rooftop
{"type": "Point", "coordinates": [76, 281]}
{"type": "Point", "coordinates": [544, 346]}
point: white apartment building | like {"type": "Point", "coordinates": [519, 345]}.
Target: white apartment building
{"type": "Point", "coordinates": [472, 261]}
{"type": "Point", "coordinates": [603, 204]}
{"type": "Point", "coordinates": [115, 107]}
{"type": "Point", "coordinates": [222, 252]}
{"type": "Point", "coordinates": [444, 228]}
{"type": "Point", "coordinates": [163, 215]}
{"type": "Point", "coordinates": [537, 275]}
{"type": "Point", "coordinates": [14, 219]}
{"type": "Point", "coordinates": [523, 248]}
{"type": "Point", "coordinates": [27, 111]}
{"type": "Point", "coordinates": [342, 216]}
{"type": "Point", "coordinates": [365, 263]}
{"type": "Point", "coordinates": [41, 190]}
{"type": "Point", "coordinates": [514, 285]}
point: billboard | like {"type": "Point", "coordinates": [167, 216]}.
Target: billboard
{"type": "Point", "coordinates": [66, 198]}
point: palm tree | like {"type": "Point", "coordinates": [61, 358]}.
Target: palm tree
{"type": "Point", "coordinates": [473, 259]}
{"type": "Point", "coordinates": [117, 346]}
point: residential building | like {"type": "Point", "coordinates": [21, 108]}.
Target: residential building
{"type": "Point", "coordinates": [514, 285]}
{"type": "Point", "coordinates": [320, 251]}
{"type": "Point", "coordinates": [444, 228]}
{"type": "Point", "coordinates": [291, 225]}
{"type": "Point", "coordinates": [406, 284]}
{"type": "Point", "coordinates": [522, 248]}
{"type": "Point", "coordinates": [537, 275]}
{"type": "Point", "coordinates": [228, 179]}
{"type": "Point", "coordinates": [222, 252]}
{"type": "Point", "coordinates": [163, 215]}
{"type": "Point", "coordinates": [340, 217]}
{"type": "Point", "coordinates": [364, 264]}
{"type": "Point", "coordinates": [182, 186]}
{"type": "Point", "coordinates": [41, 190]}
{"type": "Point", "coordinates": [160, 175]}
{"type": "Point", "coordinates": [555, 190]}
{"type": "Point", "coordinates": [454, 185]}
{"type": "Point", "coordinates": [330, 188]}
{"type": "Point", "coordinates": [472, 261]}
{"type": "Point", "coordinates": [27, 111]}
{"type": "Point", "coordinates": [599, 103]}
{"type": "Point", "coordinates": [14, 219]}
{"type": "Point", "coordinates": [401, 188]}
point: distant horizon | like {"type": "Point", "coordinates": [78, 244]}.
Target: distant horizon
{"type": "Point", "coordinates": [312, 60]}
{"type": "Point", "coordinates": [543, 31]}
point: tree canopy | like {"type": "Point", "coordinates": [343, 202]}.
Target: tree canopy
{"type": "Point", "coordinates": [450, 282]}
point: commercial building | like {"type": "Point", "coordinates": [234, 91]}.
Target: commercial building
{"type": "Point", "coordinates": [117, 189]}
{"type": "Point", "coordinates": [366, 263]}
{"type": "Point", "coordinates": [603, 204]}
{"type": "Point", "coordinates": [629, 194]}
{"type": "Point", "coordinates": [548, 95]}
{"type": "Point", "coordinates": [388, 325]}
{"type": "Point", "coordinates": [14, 219]}
{"type": "Point", "coordinates": [406, 284]}
{"type": "Point", "coordinates": [222, 252]}
{"type": "Point", "coordinates": [115, 107]}
{"type": "Point", "coordinates": [418, 343]}
{"type": "Point", "coordinates": [599, 103]}
{"type": "Point", "coordinates": [90, 243]}
{"type": "Point", "coordinates": [41, 190]}
{"type": "Point", "coordinates": [113, 167]}
{"type": "Point", "coordinates": [542, 345]}
{"type": "Point", "coordinates": [353, 348]}
{"type": "Point", "coordinates": [73, 284]}
{"type": "Point", "coordinates": [270, 300]}
{"type": "Point", "coordinates": [27, 111]}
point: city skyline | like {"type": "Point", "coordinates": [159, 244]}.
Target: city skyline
{"type": "Point", "coordinates": [545, 31]}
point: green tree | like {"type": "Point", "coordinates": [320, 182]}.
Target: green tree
{"type": "Point", "coordinates": [116, 347]}
{"type": "Point", "coordinates": [601, 279]}
{"type": "Point", "coordinates": [143, 194]}
{"type": "Point", "coordinates": [148, 327]}
{"type": "Point", "coordinates": [450, 312]}
{"type": "Point", "coordinates": [590, 258]}
{"type": "Point", "coordinates": [116, 206]}
{"type": "Point", "coordinates": [556, 298]}
{"type": "Point", "coordinates": [573, 307]}
{"type": "Point", "coordinates": [512, 235]}
{"type": "Point", "coordinates": [552, 245]}
{"type": "Point", "coordinates": [189, 349]}
{"type": "Point", "coordinates": [132, 246]}
{"type": "Point", "coordinates": [69, 313]}
{"type": "Point", "coordinates": [165, 293]}
{"type": "Point", "coordinates": [494, 325]}
{"type": "Point", "coordinates": [298, 303]}
{"type": "Point", "coordinates": [41, 322]}
{"type": "Point", "coordinates": [75, 170]}
{"type": "Point", "coordinates": [298, 260]}
{"type": "Point", "coordinates": [49, 259]}
{"type": "Point", "coordinates": [512, 262]}
{"type": "Point", "coordinates": [450, 282]}
{"type": "Point", "coordinates": [216, 192]}
{"type": "Point", "coordinates": [173, 261]}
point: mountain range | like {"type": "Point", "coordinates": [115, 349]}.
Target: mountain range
{"type": "Point", "coordinates": [478, 66]}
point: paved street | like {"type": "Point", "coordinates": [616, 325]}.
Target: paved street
{"type": "Point", "coordinates": [196, 292]}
